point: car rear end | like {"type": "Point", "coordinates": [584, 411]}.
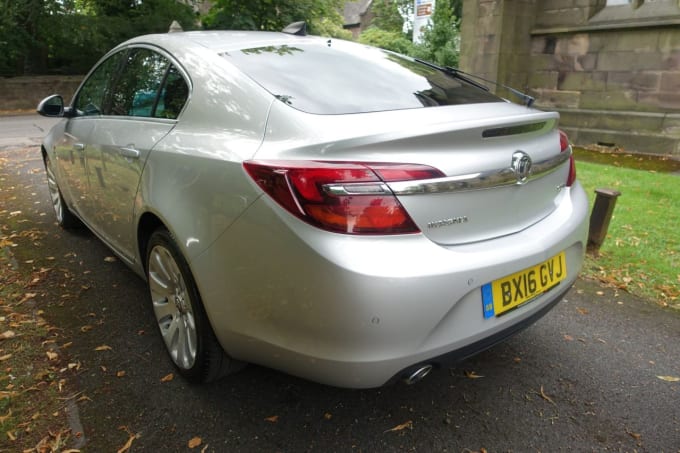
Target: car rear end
{"type": "Point", "coordinates": [398, 227]}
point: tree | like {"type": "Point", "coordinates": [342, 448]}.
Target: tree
{"type": "Point", "coordinates": [440, 42]}
{"type": "Point", "coordinates": [18, 27]}
{"type": "Point", "coordinates": [124, 19]}
{"type": "Point", "coordinates": [388, 40]}
{"type": "Point", "coordinates": [274, 15]}
{"type": "Point", "coordinates": [69, 36]}
{"type": "Point", "coordinates": [387, 16]}
{"type": "Point", "coordinates": [331, 28]}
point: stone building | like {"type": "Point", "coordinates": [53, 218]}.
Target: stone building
{"type": "Point", "coordinates": [610, 67]}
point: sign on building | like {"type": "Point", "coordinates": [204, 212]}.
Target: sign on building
{"type": "Point", "coordinates": [422, 12]}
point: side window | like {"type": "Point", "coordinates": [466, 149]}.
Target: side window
{"type": "Point", "coordinates": [95, 93]}
{"type": "Point", "coordinates": [173, 96]}
{"type": "Point", "coordinates": [137, 87]}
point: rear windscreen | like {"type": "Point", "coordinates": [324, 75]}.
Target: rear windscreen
{"type": "Point", "coordinates": [335, 77]}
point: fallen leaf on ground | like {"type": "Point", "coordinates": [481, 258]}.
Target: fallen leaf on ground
{"type": "Point", "coordinates": [272, 419]}
{"type": "Point", "coordinates": [327, 416]}
{"type": "Point", "coordinates": [669, 378]}
{"type": "Point", "coordinates": [52, 355]}
{"type": "Point", "coordinates": [407, 424]}
{"type": "Point", "coordinates": [635, 436]}
{"type": "Point", "coordinates": [472, 375]}
{"type": "Point", "coordinates": [168, 377]}
{"type": "Point", "coordinates": [27, 296]}
{"type": "Point", "coordinates": [4, 418]}
{"type": "Point", "coordinates": [194, 442]}
{"type": "Point", "coordinates": [546, 397]}
{"type": "Point", "coordinates": [110, 259]}
{"type": "Point", "coordinates": [103, 347]}
{"type": "Point", "coordinates": [128, 444]}
{"type": "Point", "coordinates": [120, 373]}
{"type": "Point", "coordinates": [583, 311]}
{"type": "Point", "coordinates": [7, 335]}
{"type": "Point", "coordinates": [52, 442]}
{"type": "Point", "coordinates": [568, 337]}
{"type": "Point", "coordinates": [5, 357]}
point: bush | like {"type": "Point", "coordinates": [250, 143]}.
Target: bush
{"type": "Point", "coordinates": [388, 40]}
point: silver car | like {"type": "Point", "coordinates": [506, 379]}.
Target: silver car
{"type": "Point", "coordinates": [332, 210]}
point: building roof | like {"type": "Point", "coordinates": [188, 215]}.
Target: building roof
{"type": "Point", "coordinates": [354, 10]}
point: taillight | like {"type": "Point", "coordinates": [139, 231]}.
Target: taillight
{"type": "Point", "coordinates": [566, 148]}
{"type": "Point", "coordinates": [342, 197]}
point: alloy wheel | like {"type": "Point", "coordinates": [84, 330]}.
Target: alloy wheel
{"type": "Point", "coordinates": [55, 195]}
{"type": "Point", "coordinates": [173, 307]}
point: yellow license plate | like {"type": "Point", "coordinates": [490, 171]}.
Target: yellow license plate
{"type": "Point", "coordinates": [509, 292]}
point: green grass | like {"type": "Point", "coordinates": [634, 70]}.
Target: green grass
{"type": "Point", "coordinates": [641, 253]}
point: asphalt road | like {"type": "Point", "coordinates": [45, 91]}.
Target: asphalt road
{"type": "Point", "coordinates": [23, 130]}
{"type": "Point", "coordinates": [584, 378]}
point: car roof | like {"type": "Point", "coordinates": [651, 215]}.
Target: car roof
{"type": "Point", "coordinates": [222, 40]}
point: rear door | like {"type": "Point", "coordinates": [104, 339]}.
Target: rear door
{"type": "Point", "coordinates": [146, 99]}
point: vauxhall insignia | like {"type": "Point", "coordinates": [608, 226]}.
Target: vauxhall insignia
{"type": "Point", "coordinates": [521, 166]}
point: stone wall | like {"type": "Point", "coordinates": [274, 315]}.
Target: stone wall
{"type": "Point", "coordinates": [613, 73]}
{"type": "Point", "coordinates": [24, 93]}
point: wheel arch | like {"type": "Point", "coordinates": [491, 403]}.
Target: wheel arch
{"type": "Point", "coordinates": [148, 223]}
{"type": "Point", "coordinates": [213, 362]}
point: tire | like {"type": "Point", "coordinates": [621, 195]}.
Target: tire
{"type": "Point", "coordinates": [65, 218]}
{"type": "Point", "coordinates": [182, 321]}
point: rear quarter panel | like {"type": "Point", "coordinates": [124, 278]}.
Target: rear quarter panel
{"type": "Point", "coordinates": [194, 180]}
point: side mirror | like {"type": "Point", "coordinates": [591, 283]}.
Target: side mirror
{"type": "Point", "coordinates": [52, 106]}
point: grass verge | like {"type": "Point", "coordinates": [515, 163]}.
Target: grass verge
{"type": "Point", "coordinates": [33, 372]}
{"type": "Point", "coordinates": [32, 378]}
{"type": "Point", "coordinates": [641, 253]}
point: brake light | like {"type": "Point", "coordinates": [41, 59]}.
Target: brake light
{"type": "Point", "coordinates": [565, 147]}
{"type": "Point", "coordinates": [343, 197]}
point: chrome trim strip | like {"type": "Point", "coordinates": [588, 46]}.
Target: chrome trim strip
{"type": "Point", "coordinates": [357, 188]}
{"type": "Point", "coordinates": [478, 181]}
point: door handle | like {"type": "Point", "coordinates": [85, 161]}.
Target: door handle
{"type": "Point", "coordinates": [129, 152]}
{"type": "Point", "coordinates": [78, 146]}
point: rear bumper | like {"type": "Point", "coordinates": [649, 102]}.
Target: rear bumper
{"type": "Point", "coordinates": [359, 311]}
{"type": "Point", "coordinates": [458, 355]}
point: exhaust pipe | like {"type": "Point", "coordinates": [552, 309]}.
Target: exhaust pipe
{"type": "Point", "coordinates": [418, 374]}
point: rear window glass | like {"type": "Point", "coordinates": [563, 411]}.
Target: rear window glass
{"type": "Point", "coordinates": [337, 77]}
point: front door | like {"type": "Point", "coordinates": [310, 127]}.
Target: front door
{"type": "Point", "coordinates": [145, 100]}
{"type": "Point", "coordinates": [71, 150]}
